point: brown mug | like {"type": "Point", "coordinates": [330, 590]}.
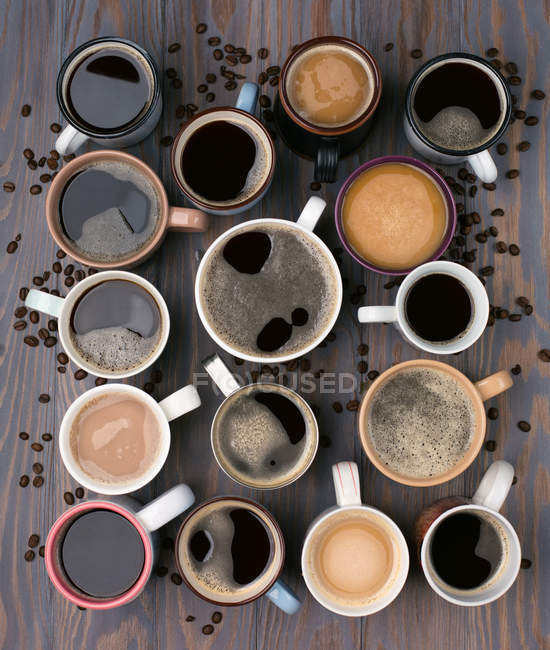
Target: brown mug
{"type": "Point", "coordinates": [169, 217]}
{"type": "Point", "coordinates": [476, 393]}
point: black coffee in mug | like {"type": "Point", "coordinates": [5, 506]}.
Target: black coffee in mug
{"type": "Point", "coordinates": [102, 554]}
{"type": "Point", "coordinates": [438, 308]}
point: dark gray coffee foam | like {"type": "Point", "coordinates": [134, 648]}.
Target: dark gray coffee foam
{"type": "Point", "coordinates": [421, 422]}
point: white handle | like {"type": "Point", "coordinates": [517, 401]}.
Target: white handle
{"type": "Point", "coordinates": [220, 374]}
{"type": "Point", "coordinates": [312, 212]}
{"type": "Point", "coordinates": [69, 140]}
{"type": "Point", "coordinates": [182, 401]}
{"type": "Point", "coordinates": [346, 483]}
{"type": "Point", "coordinates": [44, 302]}
{"type": "Point", "coordinates": [484, 166]}
{"type": "Point", "coordinates": [377, 314]}
{"type": "Point", "coordinates": [166, 507]}
{"type": "Point", "coordinates": [495, 485]}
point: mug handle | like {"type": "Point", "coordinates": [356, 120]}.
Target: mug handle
{"type": "Point", "coordinates": [186, 220]}
{"type": "Point", "coordinates": [494, 384]}
{"type": "Point", "coordinates": [484, 166]}
{"type": "Point", "coordinates": [494, 486]}
{"type": "Point", "coordinates": [311, 213]}
{"type": "Point", "coordinates": [166, 507]}
{"type": "Point", "coordinates": [346, 483]}
{"type": "Point", "coordinates": [220, 374]}
{"type": "Point", "coordinates": [248, 96]}
{"type": "Point", "coordinates": [283, 596]}
{"type": "Point", "coordinates": [70, 140]}
{"type": "Point", "coordinates": [44, 302]}
{"type": "Point", "coordinates": [326, 161]}
{"type": "Point", "coordinates": [378, 314]}
{"type": "Point", "coordinates": [182, 401]}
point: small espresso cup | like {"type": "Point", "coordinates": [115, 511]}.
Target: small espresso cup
{"type": "Point", "coordinates": [263, 436]}
{"type": "Point", "coordinates": [97, 474]}
{"type": "Point", "coordinates": [413, 389]}
{"type": "Point", "coordinates": [103, 245]}
{"type": "Point", "coordinates": [218, 160]}
{"type": "Point", "coordinates": [111, 60]}
{"type": "Point", "coordinates": [472, 308]}
{"type": "Point", "coordinates": [208, 295]}
{"type": "Point", "coordinates": [64, 310]}
{"type": "Point", "coordinates": [146, 520]}
{"type": "Point", "coordinates": [355, 559]}
{"type": "Point", "coordinates": [457, 107]}
{"type": "Point", "coordinates": [230, 551]}
{"type": "Point", "coordinates": [327, 67]}
{"type": "Point", "coordinates": [469, 552]}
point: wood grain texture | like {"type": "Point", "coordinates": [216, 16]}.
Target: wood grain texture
{"type": "Point", "coordinates": [35, 37]}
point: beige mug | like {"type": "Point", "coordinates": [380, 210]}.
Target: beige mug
{"type": "Point", "coordinates": [169, 217]}
{"type": "Point", "coordinates": [476, 392]}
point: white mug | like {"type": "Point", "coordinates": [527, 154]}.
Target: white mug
{"type": "Point", "coordinates": [348, 498]}
{"type": "Point", "coordinates": [396, 313]}
{"type": "Point", "coordinates": [305, 224]}
{"type": "Point", "coordinates": [61, 308]}
{"type": "Point", "coordinates": [487, 501]}
{"type": "Point", "coordinates": [183, 401]}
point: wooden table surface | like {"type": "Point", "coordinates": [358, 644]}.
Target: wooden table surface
{"type": "Point", "coordinates": [35, 37]}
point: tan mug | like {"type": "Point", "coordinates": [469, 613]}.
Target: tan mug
{"type": "Point", "coordinates": [107, 223]}
{"type": "Point", "coordinates": [424, 446]}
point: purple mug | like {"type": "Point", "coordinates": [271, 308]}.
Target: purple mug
{"type": "Point", "coordinates": [447, 196]}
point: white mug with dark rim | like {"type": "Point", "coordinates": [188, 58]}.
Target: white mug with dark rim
{"type": "Point", "coordinates": [396, 313]}
{"type": "Point", "coordinates": [477, 156]}
{"type": "Point", "coordinates": [485, 504]}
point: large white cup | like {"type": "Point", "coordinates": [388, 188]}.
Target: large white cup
{"type": "Point", "coordinates": [396, 313]}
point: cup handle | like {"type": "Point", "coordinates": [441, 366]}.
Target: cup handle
{"type": "Point", "coordinates": [484, 166]}
{"type": "Point", "coordinates": [283, 596]}
{"type": "Point", "coordinates": [69, 140]}
{"type": "Point", "coordinates": [44, 302]}
{"type": "Point", "coordinates": [494, 384]}
{"type": "Point", "coordinates": [186, 220]}
{"type": "Point", "coordinates": [495, 485]}
{"type": "Point", "coordinates": [246, 101]}
{"type": "Point", "coordinates": [220, 374]}
{"type": "Point", "coordinates": [326, 161]}
{"type": "Point", "coordinates": [166, 507]}
{"type": "Point", "coordinates": [346, 483]}
{"type": "Point", "coordinates": [377, 314]}
{"type": "Point", "coordinates": [182, 401]}
{"type": "Point", "coordinates": [311, 213]}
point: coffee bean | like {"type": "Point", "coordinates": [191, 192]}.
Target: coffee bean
{"type": "Point", "coordinates": [37, 468]}
{"type": "Point", "coordinates": [522, 301]}
{"type": "Point", "coordinates": [514, 317]}
{"type": "Point", "coordinates": [50, 341]}
{"type": "Point", "coordinates": [28, 153]}
{"type": "Point", "coordinates": [29, 556]}
{"type": "Point", "coordinates": [239, 50]}
{"type": "Point", "coordinates": [24, 480]}
{"type": "Point", "coordinates": [173, 47]}
{"type": "Point", "coordinates": [55, 127]}
{"type": "Point", "coordinates": [514, 80]}
{"type": "Point", "coordinates": [32, 164]}
{"type": "Point", "coordinates": [189, 618]}
{"type": "Point", "coordinates": [45, 178]}
{"type": "Point", "coordinates": [24, 435]}
{"type": "Point", "coordinates": [487, 270]}
{"type": "Point", "coordinates": [202, 88]}
{"type": "Point", "coordinates": [352, 405]}
{"type": "Point", "coordinates": [492, 52]}
{"type": "Point", "coordinates": [63, 358]}
{"type": "Point", "coordinates": [544, 355]}
{"type": "Point", "coordinates": [207, 629]}
{"type": "Point", "coordinates": [171, 73]}
{"type": "Point", "coordinates": [462, 173]}
{"type": "Point", "coordinates": [490, 445]}
{"type": "Point", "coordinates": [35, 189]}
{"type": "Point", "coordinates": [265, 102]}
{"type": "Point", "coordinates": [33, 541]}
{"type": "Point", "coordinates": [372, 374]}
{"type": "Point", "coordinates": [210, 97]}
{"type": "Point", "coordinates": [473, 191]}
{"type": "Point", "coordinates": [388, 47]}
{"type": "Point", "coordinates": [471, 178]}
{"type": "Point", "coordinates": [149, 387]}
{"type": "Point", "coordinates": [511, 67]}
{"type": "Point", "coordinates": [31, 340]}
{"type": "Point", "coordinates": [416, 53]}
{"type": "Point", "coordinates": [25, 110]}
{"type": "Point", "coordinates": [528, 310]}
{"type": "Point", "coordinates": [47, 437]}
{"type": "Point", "coordinates": [524, 146]}
{"type": "Point", "coordinates": [54, 154]}
{"type": "Point", "coordinates": [52, 163]}
{"type": "Point", "coordinates": [514, 249]}
{"type": "Point", "coordinates": [69, 281]}
{"type": "Point", "coordinates": [519, 114]}
{"type": "Point", "coordinates": [481, 238]}
{"type": "Point", "coordinates": [176, 578]}
{"type": "Point", "coordinates": [502, 148]}
{"type": "Point", "coordinates": [214, 40]}
{"type": "Point", "coordinates": [512, 173]}
{"type": "Point", "coordinates": [43, 398]}
{"type": "Point", "coordinates": [42, 333]}
{"type": "Point", "coordinates": [201, 28]}
{"type": "Point", "coordinates": [80, 374]}
{"type": "Point", "coordinates": [538, 94]}
{"type": "Point", "coordinates": [532, 120]}
{"type": "Point", "coordinates": [502, 313]}
{"type": "Point", "coordinates": [36, 446]}
{"type": "Point", "coordinates": [516, 370]}
{"type": "Point", "coordinates": [273, 70]}
{"type": "Point", "coordinates": [362, 367]}
{"type": "Point", "coordinates": [217, 617]}
{"type": "Point", "coordinates": [362, 349]}
{"type": "Point", "coordinates": [211, 78]}
{"type": "Point", "coordinates": [524, 426]}
{"type": "Point", "coordinates": [41, 551]}
{"type": "Point", "coordinates": [492, 413]}
{"type": "Point", "coordinates": [315, 186]}
{"type": "Point", "coordinates": [161, 571]}
{"type": "Point", "coordinates": [263, 53]}
{"type": "Point", "coordinates": [337, 407]}
{"type": "Point", "coordinates": [9, 186]}
{"type": "Point", "coordinates": [42, 162]}
{"type": "Point", "coordinates": [497, 212]}
{"type": "Point", "coordinates": [262, 78]}
{"type": "Point", "coordinates": [38, 481]}
{"type": "Point", "coordinates": [231, 59]}
{"type": "Point", "coordinates": [68, 498]}
{"type": "Point", "coordinates": [230, 85]}
{"type": "Point", "coordinates": [79, 492]}
{"type": "Point", "coordinates": [218, 55]}
{"type": "Point", "coordinates": [274, 81]}
{"type": "Point", "coordinates": [525, 563]}
{"type": "Point", "coordinates": [501, 247]}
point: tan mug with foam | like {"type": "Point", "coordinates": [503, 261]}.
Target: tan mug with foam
{"type": "Point", "coordinates": [99, 234]}
{"type": "Point", "coordinates": [423, 422]}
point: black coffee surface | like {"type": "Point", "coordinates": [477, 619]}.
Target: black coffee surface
{"type": "Point", "coordinates": [466, 550]}
{"type": "Point", "coordinates": [288, 414]}
{"type": "Point", "coordinates": [217, 159]}
{"type": "Point", "coordinates": [250, 547]}
{"type": "Point", "coordinates": [102, 554]}
{"type": "Point", "coordinates": [438, 307]}
{"type": "Point", "coordinates": [108, 90]}
{"type": "Point", "coordinates": [248, 252]}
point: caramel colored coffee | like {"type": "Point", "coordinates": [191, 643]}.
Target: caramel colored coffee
{"type": "Point", "coordinates": [394, 216]}
{"type": "Point", "coordinates": [115, 438]}
{"type": "Point", "coordinates": [330, 85]}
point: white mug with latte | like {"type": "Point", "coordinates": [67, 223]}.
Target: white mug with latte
{"type": "Point", "coordinates": [355, 559]}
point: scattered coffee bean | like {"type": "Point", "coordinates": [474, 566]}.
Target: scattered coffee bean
{"type": "Point", "coordinates": [524, 146]}
{"type": "Point", "coordinates": [531, 120]}
{"type": "Point", "coordinates": [512, 173]}
{"type": "Point", "coordinates": [274, 81]}
{"type": "Point", "coordinates": [519, 114]}
{"type": "Point", "coordinates": [100, 381]}
{"type": "Point", "coordinates": [416, 53]}
{"type": "Point", "coordinates": [263, 53]}
{"type": "Point", "coordinates": [24, 435]}
{"type": "Point", "coordinates": [68, 498]}
{"type": "Point", "coordinates": [502, 313]}
{"type": "Point", "coordinates": [528, 310]}
{"type": "Point", "coordinates": [79, 492]}
{"type": "Point", "coordinates": [538, 94]}
{"type": "Point", "coordinates": [487, 270]}
{"type": "Point", "coordinates": [497, 212]}
{"type": "Point", "coordinates": [62, 370]}
{"type": "Point", "coordinates": [189, 618]}
{"type": "Point", "coordinates": [63, 358]}
{"type": "Point", "coordinates": [50, 341]}
{"type": "Point", "coordinates": [42, 162]}
{"type": "Point", "coordinates": [492, 52]}
{"type": "Point", "coordinates": [388, 47]}
{"type": "Point", "coordinates": [28, 153]}
{"type": "Point", "coordinates": [516, 370]}
{"type": "Point", "coordinates": [524, 426]}
{"type": "Point", "coordinates": [43, 333]}
{"type": "Point", "coordinates": [69, 281]}
{"type": "Point", "coordinates": [60, 254]}
{"type": "Point", "coordinates": [490, 187]}
{"type": "Point", "coordinates": [337, 407]}
{"type": "Point", "coordinates": [80, 374]}
{"type": "Point", "coordinates": [273, 70]}
{"type": "Point", "coordinates": [211, 78]}
{"type": "Point", "coordinates": [231, 59]}
{"type": "Point", "coordinates": [32, 164]}
{"type": "Point", "coordinates": [511, 67]}
{"type": "Point", "coordinates": [262, 78]}
{"type": "Point", "coordinates": [362, 349]}
{"type": "Point", "coordinates": [33, 541]}
{"type": "Point", "coordinates": [41, 551]}
{"type": "Point", "coordinates": [492, 413]}
{"type": "Point", "coordinates": [214, 40]}
{"type": "Point", "coordinates": [176, 578]}
{"type": "Point", "coordinates": [38, 481]}
{"type": "Point", "coordinates": [31, 340]}
{"type": "Point", "coordinates": [513, 249]}
{"type": "Point", "coordinates": [37, 468]}
{"type": "Point", "coordinates": [514, 80]}
{"type": "Point", "coordinates": [210, 97]}
{"type": "Point", "coordinates": [501, 247]}
{"type": "Point", "coordinates": [245, 58]}
{"type": "Point", "coordinates": [45, 178]}
{"type": "Point", "coordinates": [522, 301]}
{"type": "Point", "coordinates": [52, 163]}
{"type": "Point", "coordinates": [372, 374]}
{"type": "Point", "coordinates": [35, 189]}
{"type": "Point", "coordinates": [36, 446]}
{"type": "Point", "coordinates": [362, 367]}
{"type": "Point", "coordinates": [525, 563]}
{"type": "Point", "coordinates": [149, 387]}
{"type": "Point", "coordinates": [166, 141]}
{"type": "Point", "coordinates": [352, 405]}
{"type": "Point", "coordinates": [43, 398]}
{"type": "Point", "coordinates": [218, 55]}
{"type": "Point", "coordinates": [162, 571]}
{"type": "Point", "coordinates": [47, 437]}
{"type": "Point", "coordinates": [9, 186]}
{"type": "Point", "coordinates": [315, 186]}
{"type": "Point", "coordinates": [55, 127]}
{"type": "Point", "coordinates": [54, 154]}
{"type": "Point", "coordinates": [481, 238]}
{"type": "Point", "coordinates": [490, 445]}
{"type": "Point", "coordinates": [493, 231]}
{"type": "Point", "coordinates": [544, 355]}
{"type": "Point", "coordinates": [268, 116]}
{"type": "Point", "coordinates": [201, 28]}
{"type": "Point", "coordinates": [29, 556]}
{"type": "Point", "coordinates": [11, 247]}
{"type": "Point", "coordinates": [217, 617]}
{"type": "Point", "coordinates": [265, 102]}
{"type": "Point", "coordinates": [230, 85]}
{"type": "Point", "coordinates": [514, 317]}
{"type": "Point", "coordinates": [25, 110]}
{"type": "Point", "coordinates": [24, 480]}
{"type": "Point", "coordinates": [207, 629]}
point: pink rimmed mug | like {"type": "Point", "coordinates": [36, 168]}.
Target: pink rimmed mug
{"type": "Point", "coordinates": [145, 519]}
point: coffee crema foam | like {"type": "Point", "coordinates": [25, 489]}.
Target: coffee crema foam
{"type": "Point", "coordinates": [237, 306]}
{"type": "Point", "coordinates": [457, 128]}
{"type": "Point", "coordinates": [421, 422]}
{"type": "Point", "coordinates": [213, 577]}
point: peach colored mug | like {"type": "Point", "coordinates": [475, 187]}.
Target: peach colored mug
{"type": "Point", "coordinates": [478, 392]}
{"type": "Point", "coordinates": [170, 217]}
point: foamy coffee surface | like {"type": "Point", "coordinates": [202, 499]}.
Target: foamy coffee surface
{"type": "Point", "coordinates": [457, 127]}
{"type": "Point", "coordinates": [296, 275]}
{"type": "Point", "coordinates": [421, 422]}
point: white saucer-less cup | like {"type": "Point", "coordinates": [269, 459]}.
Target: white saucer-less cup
{"type": "Point", "coordinates": [396, 313]}
{"type": "Point", "coordinates": [348, 498]}
{"type": "Point", "coordinates": [183, 401]}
